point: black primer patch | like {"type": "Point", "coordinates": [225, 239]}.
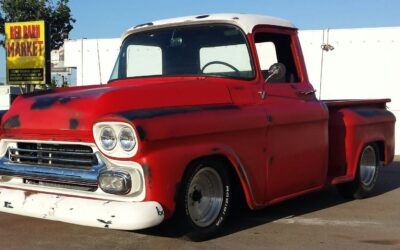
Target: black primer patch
{"type": "Point", "coordinates": [141, 133]}
{"type": "Point", "coordinates": [152, 113]}
{"type": "Point", "coordinates": [146, 170]}
{"type": "Point", "coordinates": [47, 102]}
{"type": "Point", "coordinates": [372, 112]}
{"type": "Point", "coordinates": [73, 123]}
{"type": "Point", "coordinates": [12, 122]}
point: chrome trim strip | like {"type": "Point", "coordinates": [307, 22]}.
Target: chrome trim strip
{"type": "Point", "coordinates": [50, 151]}
{"type": "Point", "coordinates": [60, 174]}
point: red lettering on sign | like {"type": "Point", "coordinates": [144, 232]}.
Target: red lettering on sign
{"type": "Point", "coordinates": [31, 31]}
{"type": "Point", "coordinates": [15, 32]}
{"type": "Point", "coordinates": [12, 32]}
{"type": "Point", "coordinates": [10, 49]}
{"type": "Point", "coordinates": [35, 48]}
{"type": "Point", "coordinates": [17, 49]}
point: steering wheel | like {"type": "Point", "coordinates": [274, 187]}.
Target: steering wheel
{"type": "Point", "coordinates": [219, 62]}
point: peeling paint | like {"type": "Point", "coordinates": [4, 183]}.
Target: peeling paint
{"type": "Point", "coordinates": [152, 113]}
{"type": "Point", "coordinates": [369, 112]}
{"type": "Point", "coordinates": [12, 122]}
{"type": "Point", "coordinates": [107, 223]}
{"type": "Point", "coordinates": [146, 170]}
{"type": "Point", "coordinates": [81, 211]}
{"type": "Point", "coordinates": [73, 123]}
{"type": "Point", "coordinates": [28, 193]}
{"type": "Point", "coordinates": [47, 102]}
{"type": "Point", "coordinates": [142, 134]}
{"type": "Point", "coordinates": [160, 212]}
{"type": "Point", "coordinates": [8, 204]}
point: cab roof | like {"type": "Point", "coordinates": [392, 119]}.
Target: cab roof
{"type": "Point", "coordinates": [245, 21]}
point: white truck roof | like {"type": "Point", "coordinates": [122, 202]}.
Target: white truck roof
{"type": "Point", "coordinates": [245, 21]}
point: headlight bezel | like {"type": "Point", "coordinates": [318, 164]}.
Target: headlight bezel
{"type": "Point", "coordinates": [117, 151]}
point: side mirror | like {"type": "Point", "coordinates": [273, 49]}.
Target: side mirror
{"type": "Point", "coordinates": [276, 72]}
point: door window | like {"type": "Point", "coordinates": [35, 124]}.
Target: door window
{"type": "Point", "coordinates": [276, 48]}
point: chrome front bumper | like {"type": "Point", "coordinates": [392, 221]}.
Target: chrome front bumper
{"type": "Point", "coordinates": [121, 215]}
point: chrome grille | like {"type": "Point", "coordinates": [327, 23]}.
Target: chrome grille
{"type": "Point", "coordinates": [53, 155]}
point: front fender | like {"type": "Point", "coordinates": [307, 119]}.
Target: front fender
{"type": "Point", "coordinates": [164, 169]}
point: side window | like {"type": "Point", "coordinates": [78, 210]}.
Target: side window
{"type": "Point", "coordinates": [276, 48]}
{"type": "Point", "coordinates": [143, 61]}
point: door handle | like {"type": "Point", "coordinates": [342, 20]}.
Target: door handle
{"type": "Point", "coordinates": [306, 92]}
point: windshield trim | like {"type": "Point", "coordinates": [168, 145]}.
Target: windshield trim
{"type": "Point", "coordinates": [206, 23]}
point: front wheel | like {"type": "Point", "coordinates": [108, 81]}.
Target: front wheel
{"type": "Point", "coordinates": [206, 200]}
{"type": "Point", "coordinates": [366, 177]}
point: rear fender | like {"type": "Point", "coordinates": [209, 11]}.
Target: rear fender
{"type": "Point", "coordinates": [364, 126]}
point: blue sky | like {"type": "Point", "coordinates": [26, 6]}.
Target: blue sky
{"type": "Point", "coordinates": [107, 19]}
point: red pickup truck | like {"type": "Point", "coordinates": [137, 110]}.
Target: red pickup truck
{"type": "Point", "coordinates": [197, 111]}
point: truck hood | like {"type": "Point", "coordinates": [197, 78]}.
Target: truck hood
{"type": "Point", "coordinates": [77, 108]}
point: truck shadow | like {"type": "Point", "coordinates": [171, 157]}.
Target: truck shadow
{"type": "Point", "coordinates": [326, 198]}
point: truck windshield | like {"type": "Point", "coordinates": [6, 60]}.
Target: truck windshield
{"type": "Point", "coordinates": [212, 50]}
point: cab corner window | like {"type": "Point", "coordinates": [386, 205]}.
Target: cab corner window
{"type": "Point", "coordinates": [275, 48]}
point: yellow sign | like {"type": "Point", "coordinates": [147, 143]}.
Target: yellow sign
{"type": "Point", "coordinates": [26, 53]}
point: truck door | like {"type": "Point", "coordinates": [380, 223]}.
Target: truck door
{"type": "Point", "coordinates": [297, 130]}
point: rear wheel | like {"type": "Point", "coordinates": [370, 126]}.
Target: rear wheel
{"type": "Point", "coordinates": [206, 198]}
{"type": "Point", "coordinates": [366, 177]}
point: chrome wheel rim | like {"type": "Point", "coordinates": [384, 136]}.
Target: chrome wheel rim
{"type": "Point", "coordinates": [368, 166]}
{"type": "Point", "coordinates": [205, 197]}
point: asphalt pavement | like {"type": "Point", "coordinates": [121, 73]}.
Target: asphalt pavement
{"type": "Point", "coordinates": [321, 220]}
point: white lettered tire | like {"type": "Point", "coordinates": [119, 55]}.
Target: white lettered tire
{"type": "Point", "coordinates": [206, 198]}
{"type": "Point", "coordinates": [366, 176]}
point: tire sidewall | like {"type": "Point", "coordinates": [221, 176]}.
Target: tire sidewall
{"type": "Point", "coordinates": [215, 226]}
{"type": "Point", "coordinates": [366, 189]}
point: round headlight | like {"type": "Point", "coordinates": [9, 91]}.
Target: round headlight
{"type": "Point", "coordinates": [108, 138]}
{"type": "Point", "coordinates": [127, 139]}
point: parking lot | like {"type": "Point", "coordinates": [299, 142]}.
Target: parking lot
{"type": "Point", "coordinates": [315, 221]}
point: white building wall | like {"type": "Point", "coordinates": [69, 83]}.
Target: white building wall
{"type": "Point", "coordinates": [363, 64]}
{"type": "Point", "coordinates": [4, 97]}
{"type": "Point", "coordinates": [95, 64]}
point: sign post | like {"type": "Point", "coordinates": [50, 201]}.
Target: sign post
{"type": "Point", "coordinates": [28, 55]}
